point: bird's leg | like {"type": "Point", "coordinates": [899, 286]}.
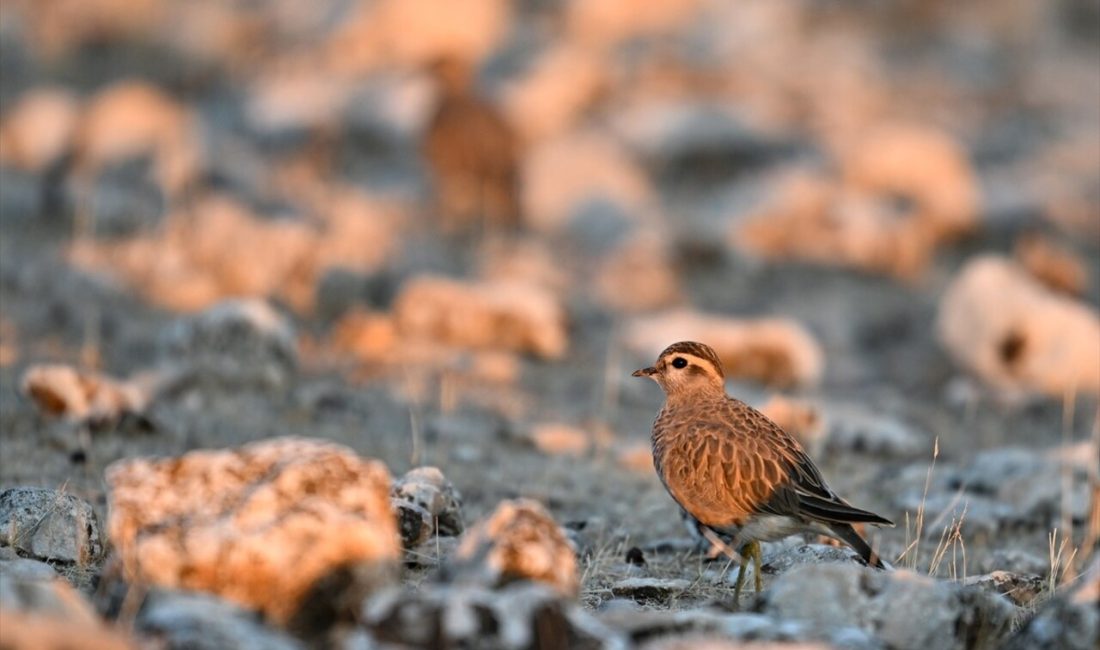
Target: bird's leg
{"type": "Point", "coordinates": [754, 552]}
{"type": "Point", "coordinates": [740, 580]}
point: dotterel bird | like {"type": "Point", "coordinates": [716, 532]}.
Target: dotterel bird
{"type": "Point", "coordinates": [736, 473]}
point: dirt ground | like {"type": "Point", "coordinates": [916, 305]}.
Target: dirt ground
{"type": "Point", "coordinates": [877, 333]}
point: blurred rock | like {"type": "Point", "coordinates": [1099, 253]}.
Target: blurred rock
{"type": "Point", "coordinates": [1012, 560]}
{"type": "Point", "coordinates": [853, 429]}
{"type": "Point", "coordinates": [518, 616]}
{"type": "Point", "coordinates": [50, 525]}
{"type": "Point", "coordinates": [23, 199]}
{"type": "Point", "coordinates": [650, 590]}
{"type": "Point", "coordinates": [122, 199]}
{"type": "Point", "coordinates": [774, 351]}
{"type": "Point", "coordinates": [235, 342]}
{"type": "Point", "coordinates": [602, 24]}
{"type": "Point", "coordinates": [1069, 621]}
{"type": "Point", "coordinates": [83, 396]}
{"type": "Point", "coordinates": [1057, 267]}
{"type": "Point", "coordinates": [217, 247]}
{"type": "Point", "coordinates": [562, 175]}
{"type": "Point", "coordinates": [898, 608]}
{"type": "Point", "coordinates": [134, 119]}
{"type": "Point", "coordinates": [658, 628]}
{"type": "Point", "coordinates": [507, 315]}
{"type": "Point", "coordinates": [923, 166]}
{"type": "Point", "coordinates": [561, 84]}
{"type": "Point", "coordinates": [377, 34]}
{"type": "Point", "coordinates": [264, 525]}
{"type": "Point", "coordinates": [704, 642]}
{"type": "Point", "coordinates": [369, 336]}
{"type": "Point", "coordinates": [638, 275]}
{"type": "Point", "coordinates": [1021, 589]}
{"type": "Point", "coordinates": [798, 418]}
{"type": "Point", "coordinates": [518, 541]}
{"type": "Point", "coordinates": [177, 620]}
{"type": "Point", "coordinates": [560, 439]}
{"type": "Point", "coordinates": [28, 631]}
{"type": "Point", "coordinates": [17, 568]}
{"type": "Point", "coordinates": [1017, 336]}
{"type": "Point", "coordinates": [39, 611]}
{"type": "Point", "coordinates": [430, 505]}
{"type": "Point", "coordinates": [1027, 482]}
{"type": "Point", "coordinates": [38, 130]}
{"type": "Point", "coordinates": [637, 457]}
{"type": "Point", "coordinates": [812, 218]}
{"type": "Point", "coordinates": [45, 597]}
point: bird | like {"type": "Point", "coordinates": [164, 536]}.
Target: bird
{"type": "Point", "coordinates": [472, 151]}
{"type": "Point", "coordinates": [736, 474]}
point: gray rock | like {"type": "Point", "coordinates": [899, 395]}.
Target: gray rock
{"type": "Point", "coordinates": [238, 342]}
{"type": "Point", "coordinates": [650, 590]}
{"type": "Point", "coordinates": [1021, 589]}
{"type": "Point", "coordinates": [49, 598]}
{"type": "Point", "coordinates": [857, 430]}
{"type": "Point", "coordinates": [23, 198]}
{"type": "Point", "coordinates": [517, 616]}
{"type": "Point", "coordinates": [195, 621]}
{"type": "Point", "coordinates": [901, 609]}
{"type": "Point", "coordinates": [26, 570]}
{"type": "Point", "coordinates": [779, 559]}
{"type": "Point", "coordinates": [426, 490]}
{"type": "Point", "coordinates": [1026, 480]}
{"type": "Point", "coordinates": [1012, 559]}
{"type": "Point", "coordinates": [49, 525]}
{"type": "Point", "coordinates": [1069, 621]}
{"type": "Point", "coordinates": [643, 625]}
{"type": "Point", "coordinates": [414, 523]}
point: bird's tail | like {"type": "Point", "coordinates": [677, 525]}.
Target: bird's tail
{"type": "Point", "coordinates": [847, 534]}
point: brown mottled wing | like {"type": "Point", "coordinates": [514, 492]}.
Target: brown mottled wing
{"type": "Point", "coordinates": [725, 470]}
{"type": "Point", "coordinates": [805, 492]}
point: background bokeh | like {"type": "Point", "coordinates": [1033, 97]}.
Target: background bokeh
{"type": "Point", "coordinates": [444, 232]}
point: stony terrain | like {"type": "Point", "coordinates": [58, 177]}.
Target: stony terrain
{"type": "Point", "coordinates": [237, 330]}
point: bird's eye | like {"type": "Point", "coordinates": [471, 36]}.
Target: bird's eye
{"type": "Point", "coordinates": [679, 362]}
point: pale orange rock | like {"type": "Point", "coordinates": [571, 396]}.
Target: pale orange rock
{"type": "Point", "coordinates": [258, 525]}
{"type": "Point", "coordinates": [774, 351]}
{"type": "Point", "coordinates": [131, 119]}
{"type": "Point", "coordinates": [812, 218]}
{"type": "Point", "coordinates": [369, 336]}
{"type": "Point", "coordinates": [562, 83]}
{"type": "Point", "coordinates": [1055, 266]}
{"type": "Point", "coordinates": [218, 248]}
{"type": "Point", "coordinates": [636, 457]}
{"type": "Point", "coordinates": [561, 174]}
{"type": "Point", "coordinates": [606, 23]}
{"type": "Point", "coordinates": [21, 630]}
{"type": "Point", "coordinates": [638, 275]}
{"type": "Point", "coordinates": [799, 418]}
{"type": "Point", "coordinates": [1015, 334]}
{"type": "Point", "coordinates": [83, 395]}
{"type": "Point", "coordinates": [56, 28]}
{"type": "Point", "coordinates": [519, 540]}
{"type": "Point", "coordinates": [922, 165]}
{"type": "Point", "coordinates": [503, 315]}
{"type": "Point", "coordinates": [416, 32]}
{"type": "Point", "coordinates": [38, 130]}
{"type": "Point", "coordinates": [560, 439]}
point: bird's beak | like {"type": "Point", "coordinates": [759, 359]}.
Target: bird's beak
{"type": "Point", "coordinates": [644, 372]}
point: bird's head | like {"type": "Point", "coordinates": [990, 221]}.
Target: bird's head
{"type": "Point", "coordinates": [685, 368]}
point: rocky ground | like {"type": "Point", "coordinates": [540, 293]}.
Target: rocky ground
{"type": "Point", "coordinates": [235, 250]}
